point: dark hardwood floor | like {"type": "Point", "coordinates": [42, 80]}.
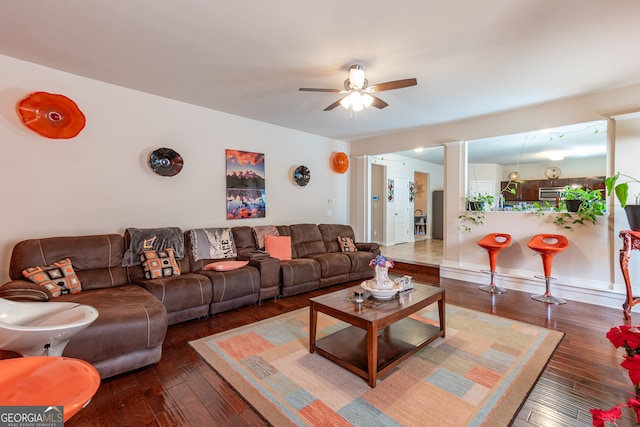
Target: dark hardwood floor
{"type": "Point", "coordinates": [182, 390]}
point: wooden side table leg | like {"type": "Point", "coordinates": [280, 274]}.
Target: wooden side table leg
{"type": "Point", "coordinates": [624, 266]}
{"type": "Point", "coordinates": [441, 314]}
{"type": "Point", "coordinates": [372, 353]}
{"type": "Point", "coordinates": [313, 322]}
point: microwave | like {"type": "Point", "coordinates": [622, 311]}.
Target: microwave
{"type": "Point", "coordinates": [550, 194]}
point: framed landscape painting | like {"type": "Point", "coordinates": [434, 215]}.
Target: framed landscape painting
{"type": "Point", "coordinates": [245, 185]}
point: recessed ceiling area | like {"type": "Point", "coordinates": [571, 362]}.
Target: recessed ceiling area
{"type": "Point", "coordinates": [574, 142]}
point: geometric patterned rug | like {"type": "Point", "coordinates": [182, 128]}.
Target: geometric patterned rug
{"type": "Point", "coordinates": [479, 375]}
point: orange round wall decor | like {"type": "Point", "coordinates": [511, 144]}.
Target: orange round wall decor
{"type": "Point", "coordinates": [51, 115]}
{"type": "Point", "coordinates": [339, 162]}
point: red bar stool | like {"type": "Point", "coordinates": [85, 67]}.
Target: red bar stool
{"type": "Point", "coordinates": [494, 243]}
{"type": "Point", "coordinates": [48, 381]}
{"type": "Point", "coordinates": [548, 245]}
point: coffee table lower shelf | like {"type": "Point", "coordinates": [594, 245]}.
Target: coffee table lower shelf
{"type": "Point", "coordinates": [396, 342]}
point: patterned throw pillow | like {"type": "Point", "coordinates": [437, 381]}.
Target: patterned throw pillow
{"type": "Point", "coordinates": [158, 264]}
{"type": "Point", "coordinates": [259, 231]}
{"type": "Point", "coordinates": [346, 244]}
{"type": "Point", "coordinates": [59, 278]}
{"type": "Point", "coordinates": [212, 243]}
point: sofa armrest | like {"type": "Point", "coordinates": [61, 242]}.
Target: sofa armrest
{"type": "Point", "coordinates": [268, 267]}
{"type": "Point", "coordinates": [371, 247]}
{"type": "Point", "coordinates": [24, 290]}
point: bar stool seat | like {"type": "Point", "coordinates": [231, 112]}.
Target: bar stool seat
{"type": "Point", "coordinates": [48, 381]}
{"type": "Point", "coordinates": [548, 246]}
{"type": "Point", "coordinates": [494, 243]}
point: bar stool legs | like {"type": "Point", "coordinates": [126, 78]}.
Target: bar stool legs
{"type": "Point", "coordinates": [493, 243]}
{"type": "Point", "coordinates": [548, 245]}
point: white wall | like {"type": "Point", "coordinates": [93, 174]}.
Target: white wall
{"type": "Point", "coordinates": [99, 181]}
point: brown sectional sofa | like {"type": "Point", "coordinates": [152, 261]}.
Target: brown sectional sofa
{"type": "Point", "coordinates": [135, 312]}
{"type": "Point", "coordinates": [131, 324]}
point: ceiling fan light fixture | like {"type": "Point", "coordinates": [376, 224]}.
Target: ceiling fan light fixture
{"type": "Point", "coordinates": [356, 76]}
{"type": "Point", "coordinates": [356, 101]}
{"type": "Point", "coordinates": [346, 102]}
{"type": "Point", "coordinates": [367, 100]}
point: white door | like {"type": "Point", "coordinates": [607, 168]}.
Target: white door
{"type": "Point", "coordinates": [402, 216]}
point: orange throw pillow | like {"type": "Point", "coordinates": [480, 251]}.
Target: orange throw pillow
{"type": "Point", "coordinates": [278, 247]}
{"type": "Point", "coordinates": [225, 265]}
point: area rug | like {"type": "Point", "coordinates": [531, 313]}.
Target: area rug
{"type": "Point", "coordinates": [478, 375]}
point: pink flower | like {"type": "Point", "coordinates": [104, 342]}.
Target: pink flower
{"type": "Point", "coordinates": [381, 261]}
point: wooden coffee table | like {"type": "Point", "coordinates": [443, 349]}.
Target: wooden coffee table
{"type": "Point", "coordinates": [381, 336]}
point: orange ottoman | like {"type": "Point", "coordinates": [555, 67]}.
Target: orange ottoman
{"type": "Point", "coordinates": [48, 381]}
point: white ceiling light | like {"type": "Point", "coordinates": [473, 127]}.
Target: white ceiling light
{"type": "Point", "coordinates": [356, 77]}
{"type": "Point", "coordinates": [555, 155]}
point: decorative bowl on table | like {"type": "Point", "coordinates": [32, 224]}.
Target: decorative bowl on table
{"type": "Point", "coordinates": [380, 294]}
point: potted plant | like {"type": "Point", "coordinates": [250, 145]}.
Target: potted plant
{"type": "Point", "coordinates": [587, 204]}
{"type": "Point", "coordinates": [575, 197]}
{"type": "Point", "coordinates": [621, 190]}
{"type": "Point", "coordinates": [474, 214]}
{"type": "Point", "coordinates": [480, 201]}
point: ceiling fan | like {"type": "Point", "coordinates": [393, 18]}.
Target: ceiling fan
{"type": "Point", "coordinates": [358, 93]}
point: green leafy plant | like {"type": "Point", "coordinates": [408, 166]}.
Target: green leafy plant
{"type": "Point", "coordinates": [476, 206]}
{"type": "Point", "coordinates": [592, 206]}
{"type": "Point", "coordinates": [470, 218]}
{"type": "Point", "coordinates": [482, 200]}
{"type": "Point", "coordinates": [621, 189]}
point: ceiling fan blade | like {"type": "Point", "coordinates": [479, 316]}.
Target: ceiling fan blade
{"type": "Point", "coordinates": [310, 89]}
{"type": "Point", "coordinates": [378, 103]}
{"type": "Point", "coordinates": [397, 84]}
{"type": "Point", "coordinates": [334, 105]}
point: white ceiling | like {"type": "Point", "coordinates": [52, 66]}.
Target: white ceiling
{"type": "Point", "coordinates": [250, 57]}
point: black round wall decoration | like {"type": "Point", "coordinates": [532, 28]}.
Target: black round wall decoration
{"type": "Point", "coordinates": [165, 162]}
{"type": "Point", "coordinates": [302, 175]}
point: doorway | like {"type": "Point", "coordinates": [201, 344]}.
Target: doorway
{"type": "Point", "coordinates": [420, 205]}
{"type": "Point", "coordinates": [378, 203]}
{"type": "Point", "coordinates": [401, 211]}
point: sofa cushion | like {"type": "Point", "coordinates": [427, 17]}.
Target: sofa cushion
{"type": "Point", "coordinates": [300, 270]}
{"type": "Point", "coordinates": [159, 264]}
{"type": "Point", "coordinates": [346, 244]}
{"type": "Point", "coordinates": [333, 264]}
{"type": "Point", "coordinates": [244, 239]}
{"type": "Point", "coordinates": [278, 247]}
{"type": "Point", "coordinates": [307, 240]}
{"type": "Point", "coordinates": [179, 294]}
{"type": "Point", "coordinates": [59, 277]}
{"type": "Point", "coordinates": [225, 265]}
{"type": "Point", "coordinates": [260, 231]}
{"type": "Point", "coordinates": [97, 259]}
{"type": "Point", "coordinates": [130, 323]}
